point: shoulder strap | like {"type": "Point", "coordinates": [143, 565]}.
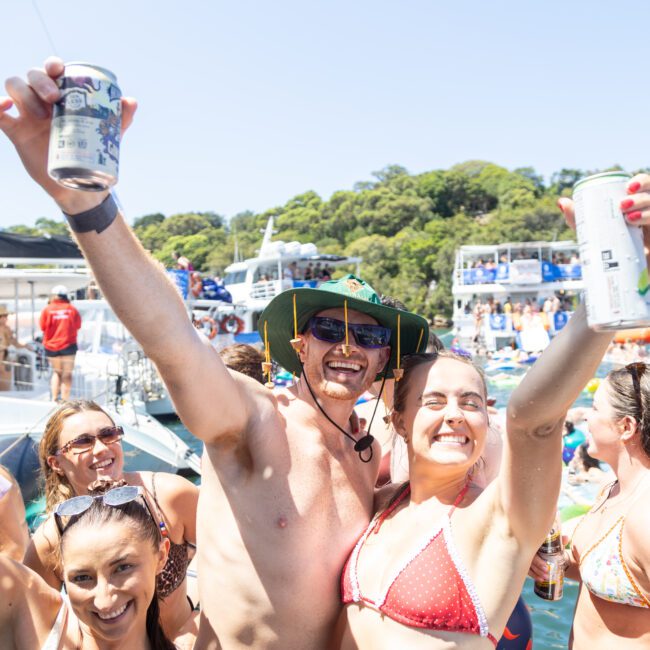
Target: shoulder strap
{"type": "Point", "coordinates": [461, 495]}
{"type": "Point", "coordinates": [400, 495]}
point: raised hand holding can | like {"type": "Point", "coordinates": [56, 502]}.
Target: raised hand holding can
{"type": "Point", "coordinates": [611, 253]}
{"type": "Point", "coordinates": [85, 133]}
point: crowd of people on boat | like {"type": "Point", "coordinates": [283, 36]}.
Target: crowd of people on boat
{"type": "Point", "coordinates": [558, 257]}
{"type": "Point", "coordinates": [297, 546]}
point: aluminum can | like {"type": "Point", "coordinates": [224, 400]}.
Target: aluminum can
{"type": "Point", "coordinates": [84, 146]}
{"type": "Point", "coordinates": [611, 253]}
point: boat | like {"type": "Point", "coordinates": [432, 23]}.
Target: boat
{"type": "Point", "coordinates": [278, 266]}
{"type": "Point", "coordinates": [29, 268]}
{"type": "Point", "coordinates": [524, 273]}
{"type": "Point", "coordinates": [110, 367]}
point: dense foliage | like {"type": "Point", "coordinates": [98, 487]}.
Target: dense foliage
{"type": "Point", "coordinates": [406, 227]}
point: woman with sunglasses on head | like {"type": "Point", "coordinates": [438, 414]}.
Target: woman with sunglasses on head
{"type": "Point", "coordinates": [609, 551]}
{"type": "Point", "coordinates": [109, 550]}
{"type": "Point", "coordinates": [80, 446]}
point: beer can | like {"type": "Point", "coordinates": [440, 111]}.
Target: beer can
{"type": "Point", "coordinates": [84, 146]}
{"type": "Point", "coordinates": [611, 254]}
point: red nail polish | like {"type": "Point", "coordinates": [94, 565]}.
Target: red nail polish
{"type": "Point", "coordinates": [634, 216]}
{"type": "Point", "coordinates": [559, 205]}
{"type": "Point", "coordinates": [626, 204]}
{"type": "Point", "coordinates": [633, 187]}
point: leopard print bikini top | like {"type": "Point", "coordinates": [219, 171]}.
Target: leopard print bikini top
{"type": "Point", "coordinates": [173, 573]}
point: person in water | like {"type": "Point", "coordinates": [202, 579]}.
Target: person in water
{"type": "Point", "coordinates": [81, 447]}
{"type": "Point", "coordinates": [284, 492]}
{"type": "Point", "coordinates": [443, 562]}
{"type": "Point", "coordinates": [110, 550]}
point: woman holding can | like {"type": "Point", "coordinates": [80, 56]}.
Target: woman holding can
{"type": "Point", "coordinates": [81, 448]}
{"type": "Point", "coordinates": [443, 563]}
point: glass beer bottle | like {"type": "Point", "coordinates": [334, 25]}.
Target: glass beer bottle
{"type": "Point", "coordinates": [552, 552]}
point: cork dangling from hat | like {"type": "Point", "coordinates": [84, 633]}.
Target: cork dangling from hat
{"type": "Point", "coordinates": [346, 346]}
{"type": "Point", "coordinates": [398, 372]}
{"type": "Point", "coordinates": [267, 366]}
{"type": "Point", "coordinates": [296, 341]}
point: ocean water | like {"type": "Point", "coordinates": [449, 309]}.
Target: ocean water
{"type": "Point", "coordinates": [551, 620]}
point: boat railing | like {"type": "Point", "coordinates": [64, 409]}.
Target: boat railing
{"type": "Point", "coordinates": [29, 371]}
{"type": "Point", "coordinates": [519, 272]}
{"type": "Point", "coordinates": [265, 289]}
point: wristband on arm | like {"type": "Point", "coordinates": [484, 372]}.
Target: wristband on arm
{"type": "Point", "coordinates": [98, 218]}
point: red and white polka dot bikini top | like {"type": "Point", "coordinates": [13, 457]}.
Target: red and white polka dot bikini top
{"type": "Point", "coordinates": [431, 590]}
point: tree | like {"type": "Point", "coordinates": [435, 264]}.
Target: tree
{"type": "Point", "coordinates": [147, 220]}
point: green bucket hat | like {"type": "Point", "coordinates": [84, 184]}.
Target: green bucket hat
{"type": "Point", "coordinates": [279, 318]}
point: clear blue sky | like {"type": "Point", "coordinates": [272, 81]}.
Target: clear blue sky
{"type": "Point", "coordinates": [244, 104]}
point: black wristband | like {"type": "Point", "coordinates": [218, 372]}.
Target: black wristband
{"type": "Point", "coordinates": [98, 218]}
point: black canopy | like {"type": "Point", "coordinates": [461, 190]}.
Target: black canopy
{"type": "Point", "coordinates": [53, 247]}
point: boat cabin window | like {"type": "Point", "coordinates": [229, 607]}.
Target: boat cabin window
{"type": "Point", "coordinates": [113, 334]}
{"type": "Point", "coordinates": [266, 273]}
{"type": "Point", "coordinates": [235, 277]}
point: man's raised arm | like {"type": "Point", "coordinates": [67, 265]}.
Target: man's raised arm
{"type": "Point", "coordinates": [135, 285]}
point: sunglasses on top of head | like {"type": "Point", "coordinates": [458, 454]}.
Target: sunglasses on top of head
{"type": "Point", "coordinates": [85, 442]}
{"type": "Point", "coordinates": [115, 497]}
{"type": "Point", "coordinates": [332, 330]}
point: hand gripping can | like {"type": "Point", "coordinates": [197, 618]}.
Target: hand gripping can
{"type": "Point", "coordinates": [85, 133]}
{"type": "Point", "coordinates": [611, 253]}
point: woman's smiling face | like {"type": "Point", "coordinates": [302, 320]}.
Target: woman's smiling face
{"type": "Point", "coordinates": [110, 577]}
{"type": "Point", "coordinates": [100, 462]}
{"type": "Point", "coordinates": [445, 415]}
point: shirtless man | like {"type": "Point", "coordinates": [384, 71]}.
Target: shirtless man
{"type": "Point", "coordinates": [284, 495]}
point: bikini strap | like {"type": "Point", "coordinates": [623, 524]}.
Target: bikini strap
{"type": "Point", "coordinates": [399, 497]}
{"type": "Point", "coordinates": [407, 490]}
{"type": "Point", "coordinates": [164, 531]}
{"type": "Point", "coordinates": [461, 495]}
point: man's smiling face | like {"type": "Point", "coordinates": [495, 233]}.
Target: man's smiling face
{"type": "Point", "coordinates": [332, 374]}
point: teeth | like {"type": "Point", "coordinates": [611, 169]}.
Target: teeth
{"type": "Point", "coordinates": [103, 463]}
{"type": "Point", "coordinates": [449, 437]}
{"type": "Point", "coordinates": [115, 614]}
{"type": "Point", "coordinates": [347, 365]}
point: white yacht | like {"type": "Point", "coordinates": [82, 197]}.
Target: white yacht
{"type": "Point", "coordinates": [525, 273]}
{"type": "Point", "coordinates": [278, 266]}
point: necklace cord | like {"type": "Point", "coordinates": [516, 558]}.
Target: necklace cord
{"type": "Point", "coordinates": [363, 443]}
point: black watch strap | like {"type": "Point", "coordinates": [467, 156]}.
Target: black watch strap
{"type": "Point", "coordinates": [98, 218]}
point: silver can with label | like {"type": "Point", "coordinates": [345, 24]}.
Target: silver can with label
{"type": "Point", "coordinates": [611, 253]}
{"type": "Point", "coordinates": [84, 148]}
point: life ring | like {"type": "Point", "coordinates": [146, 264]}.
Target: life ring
{"type": "Point", "coordinates": [232, 324]}
{"type": "Point", "coordinates": [214, 329]}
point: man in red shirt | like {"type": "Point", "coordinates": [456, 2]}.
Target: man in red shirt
{"type": "Point", "coordinates": [60, 322]}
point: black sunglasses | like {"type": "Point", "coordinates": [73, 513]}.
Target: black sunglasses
{"type": "Point", "coordinates": [332, 330]}
{"type": "Point", "coordinates": [114, 498]}
{"type": "Point", "coordinates": [636, 370]}
{"type": "Point", "coordinates": [86, 441]}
